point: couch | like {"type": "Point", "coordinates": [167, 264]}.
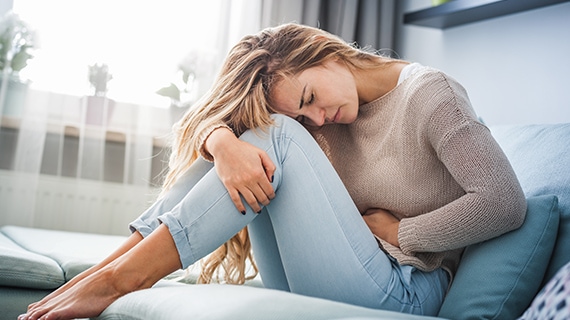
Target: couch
{"type": "Point", "coordinates": [496, 279]}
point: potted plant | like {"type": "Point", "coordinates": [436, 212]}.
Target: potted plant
{"type": "Point", "coordinates": [99, 107]}
{"type": "Point", "coordinates": [181, 91]}
{"type": "Point", "coordinates": [17, 40]}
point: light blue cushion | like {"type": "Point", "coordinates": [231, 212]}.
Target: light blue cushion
{"type": "Point", "coordinates": [73, 251]}
{"type": "Point", "coordinates": [21, 268]}
{"type": "Point", "coordinates": [219, 301]}
{"type": "Point", "coordinates": [540, 156]}
{"type": "Point", "coordinates": [498, 278]}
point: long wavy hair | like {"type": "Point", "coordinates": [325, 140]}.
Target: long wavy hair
{"type": "Point", "coordinates": [240, 99]}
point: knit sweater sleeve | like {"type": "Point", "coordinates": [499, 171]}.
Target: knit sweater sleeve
{"type": "Point", "coordinates": [493, 202]}
{"type": "Point", "coordinates": [204, 136]}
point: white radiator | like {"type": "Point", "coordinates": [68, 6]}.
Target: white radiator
{"type": "Point", "coordinates": [62, 203]}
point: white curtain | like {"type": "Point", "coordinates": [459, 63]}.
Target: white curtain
{"type": "Point", "coordinates": [70, 163]}
{"type": "Point", "coordinates": [92, 163]}
{"type": "Point", "coordinates": [77, 162]}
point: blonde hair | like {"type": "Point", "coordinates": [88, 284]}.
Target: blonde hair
{"type": "Point", "coordinates": [240, 98]}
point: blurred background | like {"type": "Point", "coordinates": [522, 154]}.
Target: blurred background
{"type": "Point", "coordinates": [89, 89]}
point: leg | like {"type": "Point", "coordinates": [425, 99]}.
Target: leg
{"type": "Point", "coordinates": [147, 221]}
{"type": "Point", "coordinates": [324, 247]}
{"type": "Point", "coordinates": [205, 218]}
{"type": "Point", "coordinates": [129, 243]}
{"type": "Point", "coordinates": [266, 253]}
{"type": "Point", "coordinates": [145, 224]}
{"type": "Point", "coordinates": [139, 268]}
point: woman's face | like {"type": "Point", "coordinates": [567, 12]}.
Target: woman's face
{"type": "Point", "coordinates": [317, 96]}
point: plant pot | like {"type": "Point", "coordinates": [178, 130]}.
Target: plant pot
{"type": "Point", "coordinates": [99, 110]}
{"type": "Point", "coordinates": [15, 98]}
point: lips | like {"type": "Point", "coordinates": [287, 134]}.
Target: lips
{"type": "Point", "coordinates": [336, 116]}
{"type": "Point", "coordinates": [334, 119]}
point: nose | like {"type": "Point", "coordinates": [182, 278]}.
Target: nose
{"type": "Point", "coordinates": [316, 115]}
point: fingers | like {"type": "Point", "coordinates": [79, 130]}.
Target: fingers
{"type": "Point", "coordinates": [268, 166]}
{"type": "Point", "coordinates": [247, 172]}
{"type": "Point", "coordinates": [236, 199]}
{"type": "Point", "coordinates": [256, 196]}
{"type": "Point", "coordinates": [256, 192]}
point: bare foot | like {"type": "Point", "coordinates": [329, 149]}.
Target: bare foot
{"type": "Point", "coordinates": [87, 298]}
{"type": "Point", "coordinates": [130, 243]}
{"type": "Point", "coordinates": [56, 293]}
{"type": "Point", "coordinates": [139, 268]}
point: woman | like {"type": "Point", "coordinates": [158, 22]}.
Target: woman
{"type": "Point", "coordinates": [414, 179]}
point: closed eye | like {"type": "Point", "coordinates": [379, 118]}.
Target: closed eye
{"type": "Point", "coordinates": [311, 99]}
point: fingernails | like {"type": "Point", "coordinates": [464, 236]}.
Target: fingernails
{"type": "Point", "coordinates": [243, 212]}
{"type": "Point", "coordinates": [258, 212]}
{"type": "Point", "coordinates": [273, 176]}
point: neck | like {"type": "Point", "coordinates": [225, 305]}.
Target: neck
{"type": "Point", "coordinates": [374, 83]}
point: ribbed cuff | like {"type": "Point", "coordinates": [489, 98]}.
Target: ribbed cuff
{"type": "Point", "coordinates": [407, 237]}
{"type": "Point", "coordinates": [205, 134]}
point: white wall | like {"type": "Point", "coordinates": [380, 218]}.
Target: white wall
{"type": "Point", "coordinates": [516, 68]}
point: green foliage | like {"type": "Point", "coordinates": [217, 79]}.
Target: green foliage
{"type": "Point", "coordinates": [16, 42]}
{"type": "Point", "coordinates": [182, 84]}
{"type": "Point", "coordinates": [170, 91]}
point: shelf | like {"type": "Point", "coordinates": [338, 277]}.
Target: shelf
{"type": "Point", "coordinates": [459, 12]}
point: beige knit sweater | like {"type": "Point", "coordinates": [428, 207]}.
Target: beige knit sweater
{"type": "Point", "coordinates": [420, 152]}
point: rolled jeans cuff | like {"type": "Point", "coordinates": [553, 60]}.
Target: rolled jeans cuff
{"type": "Point", "coordinates": [180, 238]}
{"type": "Point", "coordinates": [142, 227]}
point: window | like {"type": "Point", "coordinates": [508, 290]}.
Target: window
{"type": "Point", "coordinates": [142, 42]}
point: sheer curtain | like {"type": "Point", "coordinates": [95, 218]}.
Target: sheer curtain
{"type": "Point", "coordinates": [78, 161]}
{"type": "Point", "coordinates": [73, 160]}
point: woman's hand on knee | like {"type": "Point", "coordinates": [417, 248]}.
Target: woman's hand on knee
{"type": "Point", "coordinates": [244, 170]}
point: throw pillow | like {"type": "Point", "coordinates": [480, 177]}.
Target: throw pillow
{"type": "Point", "coordinates": [561, 253]}
{"type": "Point", "coordinates": [498, 278]}
{"type": "Point", "coordinates": [540, 155]}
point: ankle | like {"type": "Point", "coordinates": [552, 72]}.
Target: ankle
{"type": "Point", "coordinates": [123, 281]}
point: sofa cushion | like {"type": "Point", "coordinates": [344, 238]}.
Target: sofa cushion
{"type": "Point", "coordinates": [220, 301]}
{"type": "Point", "coordinates": [73, 251]}
{"type": "Point", "coordinates": [498, 278]}
{"type": "Point", "coordinates": [540, 156]}
{"type": "Point", "coordinates": [15, 301]}
{"type": "Point", "coordinates": [21, 268]}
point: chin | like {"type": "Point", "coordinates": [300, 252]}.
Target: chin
{"type": "Point", "coordinates": [350, 118]}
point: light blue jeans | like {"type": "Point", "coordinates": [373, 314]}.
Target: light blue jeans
{"type": "Point", "coordinates": [309, 240]}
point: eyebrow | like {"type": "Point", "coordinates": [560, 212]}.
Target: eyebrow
{"type": "Point", "coordinates": [302, 97]}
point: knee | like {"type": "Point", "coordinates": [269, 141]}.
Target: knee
{"type": "Point", "coordinates": [285, 123]}
{"type": "Point", "coordinates": [283, 126]}
{"type": "Point", "coordinates": [281, 118]}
